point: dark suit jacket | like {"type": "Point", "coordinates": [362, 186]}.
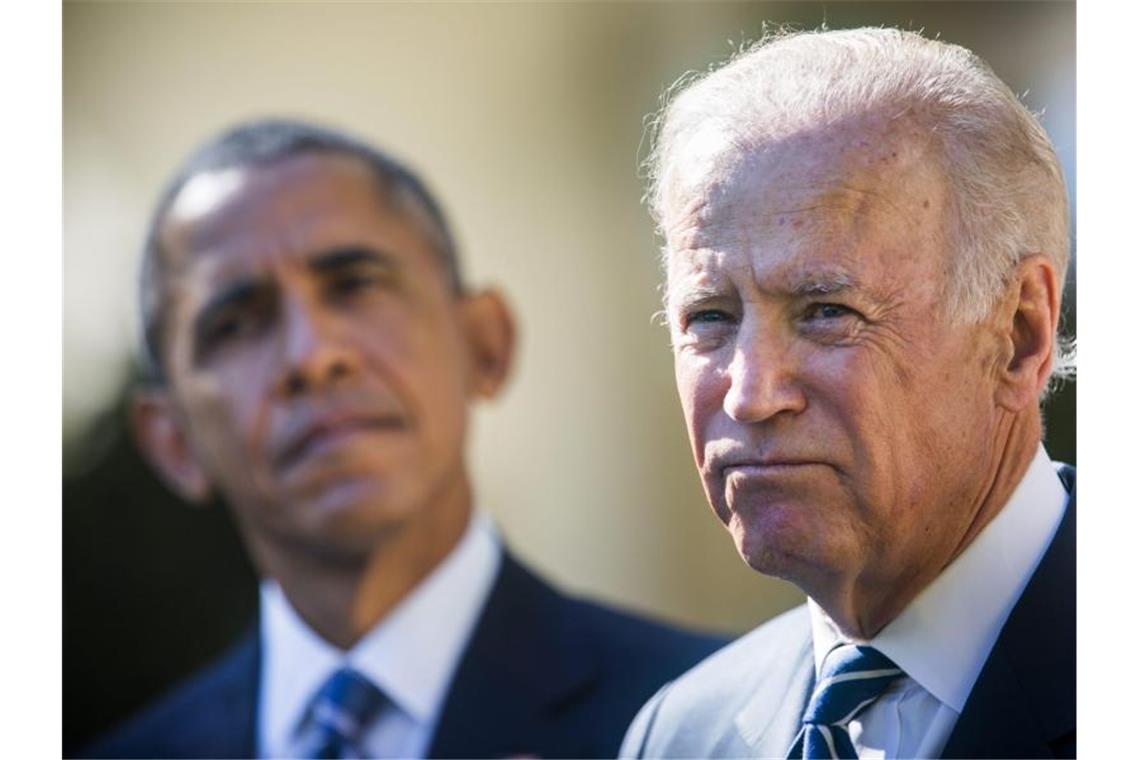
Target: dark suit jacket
{"type": "Point", "coordinates": [543, 675]}
{"type": "Point", "coordinates": [747, 699]}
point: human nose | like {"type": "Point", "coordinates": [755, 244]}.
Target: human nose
{"type": "Point", "coordinates": [763, 378]}
{"type": "Point", "coordinates": [314, 353]}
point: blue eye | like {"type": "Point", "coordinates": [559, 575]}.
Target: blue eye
{"type": "Point", "coordinates": [828, 311]}
{"type": "Point", "coordinates": [708, 315]}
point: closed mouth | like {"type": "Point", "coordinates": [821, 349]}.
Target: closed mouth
{"type": "Point", "coordinates": [329, 432]}
{"type": "Point", "coordinates": [764, 467]}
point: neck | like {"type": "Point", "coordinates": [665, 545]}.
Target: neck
{"type": "Point", "coordinates": [343, 595]}
{"type": "Point", "coordinates": [863, 606]}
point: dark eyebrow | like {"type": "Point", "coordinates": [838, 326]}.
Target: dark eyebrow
{"type": "Point", "coordinates": [347, 257]}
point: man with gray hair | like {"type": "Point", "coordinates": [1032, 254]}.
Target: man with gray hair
{"type": "Point", "coordinates": [865, 240]}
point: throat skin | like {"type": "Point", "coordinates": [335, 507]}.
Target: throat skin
{"type": "Point", "coordinates": [343, 596]}
{"type": "Point", "coordinates": [862, 605]}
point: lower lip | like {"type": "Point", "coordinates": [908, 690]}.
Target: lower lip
{"type": "Point", "coordinates": [332, 441]}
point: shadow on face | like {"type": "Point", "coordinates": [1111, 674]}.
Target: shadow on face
{"type": "Point", "coordinates": [319, 362]}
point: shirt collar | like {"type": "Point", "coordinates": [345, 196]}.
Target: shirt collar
{"type": "Point", "coordinates": [410, 655]}
{"type": "Point", "coordinates": [943, 637]}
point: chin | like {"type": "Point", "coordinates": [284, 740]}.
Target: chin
{"type": "Point", "coordinates": [358, 506]}
{"type": "Point", "coordinates": [783, 549]}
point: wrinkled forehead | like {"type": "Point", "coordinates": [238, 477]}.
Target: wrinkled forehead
{"type": "Point", "coordinates": [720, 189]}
{"type": "Point", "coordinates": [816, 206]}
{"type": "Point", "coordinates": [719, 156]}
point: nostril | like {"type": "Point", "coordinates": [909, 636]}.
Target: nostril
{"type": "Point", "coordinates": [294, 384]}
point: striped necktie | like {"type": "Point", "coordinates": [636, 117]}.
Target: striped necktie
{"type": "Point", "coordinates": [852, 677]}
{"type": "Point", "coordinates": [342, 711]}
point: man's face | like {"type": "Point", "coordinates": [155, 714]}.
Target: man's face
{"type": "Point", "coordinates": [316, 357]}
{"type": "Point", "coordinates": [840, 425]}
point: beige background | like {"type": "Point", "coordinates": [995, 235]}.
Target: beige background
{"type": "Point", "coordinates": [527, 120]}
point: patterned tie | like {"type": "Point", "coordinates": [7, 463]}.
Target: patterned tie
{"type": "Point", "coordinates": [342, 710]}
{"type": "Point", "coordinates": [852, 677]}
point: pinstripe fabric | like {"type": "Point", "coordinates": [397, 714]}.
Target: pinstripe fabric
{"type": "Point", "coordinates": [851, 679]}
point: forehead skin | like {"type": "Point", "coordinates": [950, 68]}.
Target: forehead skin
{"type": "Point", "coordinates": [234, 221]}
{"type": "Point", "coordinates": [287, 200]}
{"type": "Point", "coordinates": [835, 187]}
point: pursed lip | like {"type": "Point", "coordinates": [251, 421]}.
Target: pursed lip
{"type": "Point", "coordinates": [764, 466]}
{"type": "Point", "coordinates": [326, 430]}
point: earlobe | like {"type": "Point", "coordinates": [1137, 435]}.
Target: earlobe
{"type": "Point", "coordinates": [490, 334]}
{"type": "Point", "coordinates": [1032, 330]}
{"type": "Point", "coordinates": [161, 436]}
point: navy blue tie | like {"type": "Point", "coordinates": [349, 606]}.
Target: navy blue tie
{"type": "Point", "coordinates": [852, 677]}
{"type": "Point", "coordinates": [342, 710]}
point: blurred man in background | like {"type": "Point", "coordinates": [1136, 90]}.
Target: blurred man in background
{"type": "Point", "coordinates": [313, 352]}
{"type": "Point", "coordinates": [865, 236]}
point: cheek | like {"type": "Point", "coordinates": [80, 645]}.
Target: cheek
{"type": "Point", "coordinates": [701, 391]}
{"type": "Point", "coordinates": [858, 406]}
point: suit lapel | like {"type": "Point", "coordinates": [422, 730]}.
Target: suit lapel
{"type": "Point", "coordinates": [523, 659]}
{"type": "Point", "coordinates": [1024, 701]}
{"type": "Point", "coordinates": [770, 719]}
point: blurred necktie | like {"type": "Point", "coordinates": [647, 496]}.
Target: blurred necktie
{"type": "Point", "coordinates": [342, 711]}
{"type": "Point", "coordinates": [852, 677]}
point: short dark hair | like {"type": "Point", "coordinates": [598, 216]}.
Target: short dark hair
{"type": "Point", "coordinates": [259, 143]}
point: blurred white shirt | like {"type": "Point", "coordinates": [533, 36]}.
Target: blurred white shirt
{"type": "Point", "coordinates": [411, 655]}
{"type": "Point", "coordinates": [942, 639]}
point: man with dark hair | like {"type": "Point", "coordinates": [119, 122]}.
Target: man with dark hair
{"type": "Point", "coordinates": [313, 353]}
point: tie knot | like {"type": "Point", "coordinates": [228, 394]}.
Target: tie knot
{"type": "Point", "coordinates": [345, 705]}
{"type": "Point", "coordinates": [851, 678]}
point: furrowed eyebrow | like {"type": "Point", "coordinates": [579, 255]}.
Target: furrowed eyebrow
{"type": "Point", "coordinates": [690, 298]}
{"type": "Point", "coordinates": [824, 285]}
{"type": "Point", "coordinates": [339, 259]}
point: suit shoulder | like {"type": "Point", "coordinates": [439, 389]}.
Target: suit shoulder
{"type": "Point", "coordinates": [626, 639]}
{"type": "Point", "coordinates": [636, 637]}
{"type": "Point", "coordinates": [690, 715]}
{"type": "Point", "coordinates": [720, 676]}
{"type": "Point", "coordinates": [219, 697]}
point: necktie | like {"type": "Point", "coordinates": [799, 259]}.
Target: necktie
{"type": "Point", "coordinates": [851, 678]}
{"type": "Point", "coordinates": [342, 710]}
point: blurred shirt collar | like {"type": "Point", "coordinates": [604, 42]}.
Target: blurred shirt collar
{"type": "Point", "coordinates": [410, 655]}
{"type": "Point", "coordinates": [943, 637]}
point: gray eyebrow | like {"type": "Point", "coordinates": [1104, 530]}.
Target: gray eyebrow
{"type": "Point", "coordinates": [824, 284]}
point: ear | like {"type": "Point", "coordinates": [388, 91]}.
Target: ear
{"type": "Point", "coordinates": [1030, 327]}
{"type": "Point", "coordinates": [489, 330]}
{"type": "Point", "coordinates": [161, 435]}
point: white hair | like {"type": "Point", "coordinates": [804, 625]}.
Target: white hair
{"type": "Point", "coordinates": [1007, 193]}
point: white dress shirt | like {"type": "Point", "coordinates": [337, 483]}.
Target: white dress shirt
{"type": "Point", "coordinates": [943, 637]}
{"type": "Point", "coordinates": [410, 656]}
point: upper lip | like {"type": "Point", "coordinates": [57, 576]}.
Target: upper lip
{"type": "Point", "coordinates": [747, 459]}
{"type": "Point", "coordinates": [310, 429]}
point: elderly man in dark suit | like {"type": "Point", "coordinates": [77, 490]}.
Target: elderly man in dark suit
{"type": "Point", "coordinates": [314, 352]}
{"type": "Point", "coordinates": [865, 236]}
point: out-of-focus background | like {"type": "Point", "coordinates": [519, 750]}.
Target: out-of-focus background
{"type": "Point", "coordinates": [528, 120]}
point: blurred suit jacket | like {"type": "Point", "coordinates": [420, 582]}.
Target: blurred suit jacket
{"type": "Point", "coordinates": [748, 699]}
{"type": "Point", "coordinates": [542, 675]}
